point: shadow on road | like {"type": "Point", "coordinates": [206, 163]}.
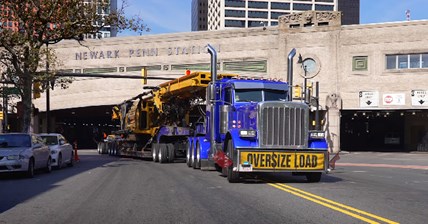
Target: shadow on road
{"type": "Point", "coordinates": [16, 188]}
{"type": "Point", "coordinates": [263, 178]}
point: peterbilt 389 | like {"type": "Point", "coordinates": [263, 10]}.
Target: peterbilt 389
{"type": "Point", "coordinates": [222, 122]}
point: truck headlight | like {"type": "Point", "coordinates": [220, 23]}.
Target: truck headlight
{"type": "Point", "coordinates": [317, 135]}
{"type": "Point", "coordinates": [247, 133]}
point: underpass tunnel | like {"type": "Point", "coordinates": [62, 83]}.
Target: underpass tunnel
{"type": "Point", "coordinates": [85, 126]}
{"type": "Point", "coordinates": [384, 130]}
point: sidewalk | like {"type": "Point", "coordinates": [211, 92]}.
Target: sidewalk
{"type": "Point", "coordinates": [417, 160]}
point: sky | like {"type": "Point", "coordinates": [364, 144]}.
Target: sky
{"type": "Point", "coordinates": [174, 16]}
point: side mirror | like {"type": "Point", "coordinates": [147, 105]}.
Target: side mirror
{"type": "Point", "coordinates": [61, 142]}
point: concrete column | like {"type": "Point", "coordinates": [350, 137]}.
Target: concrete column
{"type": "Point", "coordinates": [333, 105]}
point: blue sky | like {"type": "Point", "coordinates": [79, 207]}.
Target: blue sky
{"type": "Point", "coordinates": [172, 16]}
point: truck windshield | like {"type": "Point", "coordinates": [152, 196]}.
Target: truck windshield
{"type": "Point", "coordinates": [258, 95]}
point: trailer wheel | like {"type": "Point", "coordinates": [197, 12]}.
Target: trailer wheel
{"type": "Point", "coordinates": [171, 152]}
{"type": "Point", "coordinates": [313, 177]}
{"type": "Point", "coordinates": [163, 153]}
{"type": "Point", "coordinates": [197, 158]}
{"type": "Point", "coordinates": [99, 148]}
{"type": "Point", "coordinates": [232, 176]}
{"type": "Point", "coordinates": [189, 153]}
{"type": "Point", "coordinates": [155, 149]}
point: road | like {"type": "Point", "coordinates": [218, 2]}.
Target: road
{"type": "Point", "coordinates": [364, 188]}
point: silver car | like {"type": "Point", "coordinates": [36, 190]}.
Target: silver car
{"type": "Point", "coordinates": [61, 150]}
{"type": "Point", "coordinates": [21, 152]}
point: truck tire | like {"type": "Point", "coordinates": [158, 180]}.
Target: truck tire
{"type": "Point", "coordinates": [189, 153]}
{"type": "Point", "coordinates": [155, 148]}
{"type": "Point", "coordinates": [313, 177]}
{"type": "Point", "coordinates": [232, 176]}
{"type": "Point", "coordinates": [197, 156]}
{"type": "Point", "coordinates": [99, 147]}
{"type": "Point", "coordinates": [163, 153]}
{"type": "Point", "coordinates": [171, 152]}
{"type": "Point", "coordinates": [103, 148]}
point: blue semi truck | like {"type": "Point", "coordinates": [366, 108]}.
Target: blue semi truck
{"type": "Point", "coordinates": [223, 122]}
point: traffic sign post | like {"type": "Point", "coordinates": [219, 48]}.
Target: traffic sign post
{"type": "Point", "coordinates": [419, 98]}
{"type": "Point", "coordinates": [369, 98]}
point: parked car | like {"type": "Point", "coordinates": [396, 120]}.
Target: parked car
{"type": "Point", "coordinates": [61, 150]}
{"type": "Point", "coordinates": [22, 152]}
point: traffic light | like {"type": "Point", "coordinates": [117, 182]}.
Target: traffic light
{"type": "Point", "coordinates": [297, 92]}
{"type": "Point", "coordinates": [36, 90]}
{"type": "Point", "coordinates": [144, 74]}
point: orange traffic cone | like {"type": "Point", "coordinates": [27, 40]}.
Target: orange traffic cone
{"type": "Point", "coordinates": [76, 156]}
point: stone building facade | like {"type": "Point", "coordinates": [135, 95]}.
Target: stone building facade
{"type": "Point", "coordinates": [367, 103]}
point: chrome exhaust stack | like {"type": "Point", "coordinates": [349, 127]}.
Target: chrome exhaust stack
{"type": "Point", "coordinates": [290, 74]}
{"type": "Point", "coordinates": [212, 95]}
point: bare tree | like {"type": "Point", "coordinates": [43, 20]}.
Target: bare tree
{"type": "Point", "coordinates": [27, 27]}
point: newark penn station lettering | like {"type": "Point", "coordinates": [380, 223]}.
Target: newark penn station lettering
{"type": "Point", "coordinates": [147, 52]}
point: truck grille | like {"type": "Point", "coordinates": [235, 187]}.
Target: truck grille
{"type": "Point", "coordinates": [283, 124]}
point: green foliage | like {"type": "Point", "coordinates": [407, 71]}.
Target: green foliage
{"type": "Point", "coordinates": [25, 55]}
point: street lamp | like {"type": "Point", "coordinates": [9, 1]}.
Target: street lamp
{"type": "Point", "coordinates": [310, 67]}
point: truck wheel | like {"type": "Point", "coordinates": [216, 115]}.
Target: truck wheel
{"type": "Point", "coordinates": [197, 157]}
{"type": "Point", "coordinates": [232, 176]}
{"type": "Point", "coordinates": [189, 153]}
{"type": "Point", "coordinates": [155, 148]}
{"type": "Point", "coordinates": [171, 152]}
{"type": "Point", "coordinates": [163, 153]}
{"type": "Point", "coordinates": [103, 148]}
{"type": "Point", "coordinates": [313, 177]}
{"type": "Point", "coordinates": [99, 148]}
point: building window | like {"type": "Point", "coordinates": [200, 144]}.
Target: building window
{"type": "Point", "coordinates": [403, 61]}
{"type": "Point", "coordinates": [415, 61]}
{"type": "Point", "coordinates": [257, 14]}
{"type": "Point", "coordinates": [302, 7]}
{"type": "Point", "coordinates": [279, 5]}
{"type": "Point", "coordinates": [359, 63]}
{"type": "Point", "coordinates": [324, 0]}
{"type": "Point", "coordinates": [275, 15]}
{"type": "Point", "coordinates": [391, 62]}
{"type": "Point", "coordinates": [234, 3]}
{"type": "Point", "coordinates": [255, 23]}
{"type": "Point", "coordinates": [424, 61]}
{"type": "Point", "coordinates": [234, 23]}
{"type": "Point", "coordinates": [234, 13]}
{"type": "Point", "coordinates": [257, 5]}
{"type": "Point", "coordinates": [246, 66]}
{"type": "Point", "coordinates": [324, 7]}
{"type": "Point", "coordinates": [407, 61]}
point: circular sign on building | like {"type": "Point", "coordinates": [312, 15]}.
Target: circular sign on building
{"type": "Point", "coordinates": [310, 67]}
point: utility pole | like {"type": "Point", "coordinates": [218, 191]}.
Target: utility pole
{"type": "Point", "coordinates": [48, 123]}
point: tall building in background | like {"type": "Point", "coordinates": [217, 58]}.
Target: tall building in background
{"type": "Point", "coordinates": [223, 14]}
{"type": "Point", "coordinates": [107, 31]}
{"type": "Point", "coordinates": [350, 11]}
{"type": "Point", "coordinates": [199, 15]}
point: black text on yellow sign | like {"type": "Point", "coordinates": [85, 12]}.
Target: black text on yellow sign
{"type": "Point", "coordinates": [283, 160]}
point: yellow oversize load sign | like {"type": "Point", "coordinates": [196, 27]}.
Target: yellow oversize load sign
{"type": "Point", "coordinates": [283, 160]}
